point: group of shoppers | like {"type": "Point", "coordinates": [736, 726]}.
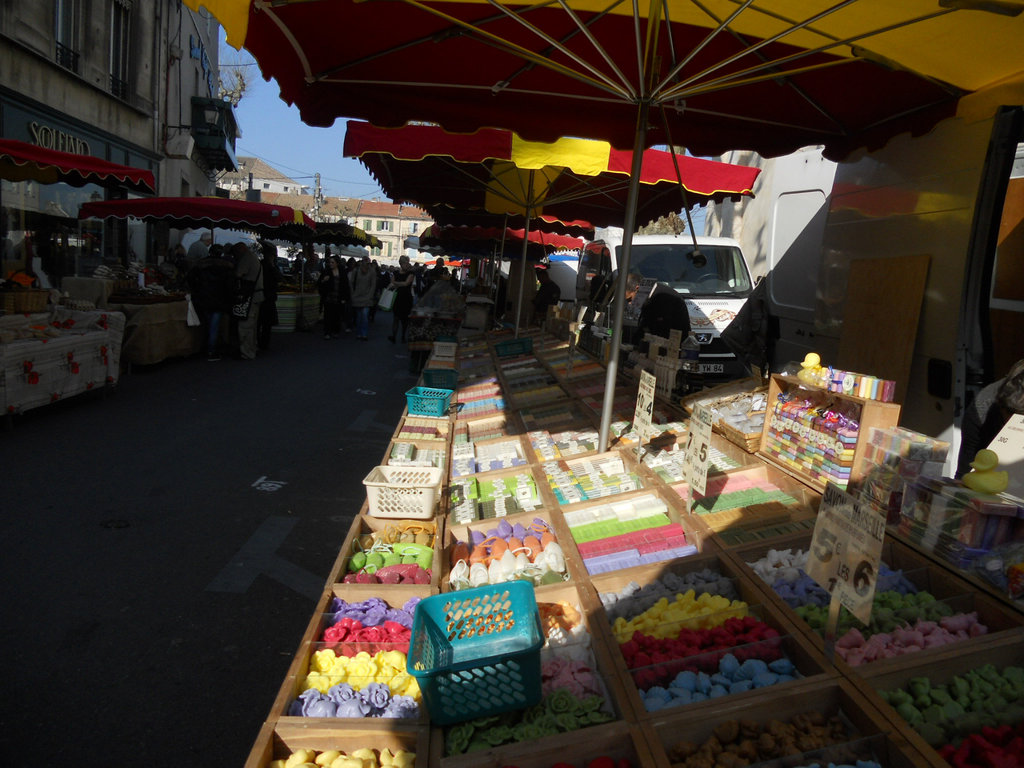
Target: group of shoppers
{"type": "Point", "coordinates": [234, 291]}
{"type": "Point", "coordinates": [348, 295]}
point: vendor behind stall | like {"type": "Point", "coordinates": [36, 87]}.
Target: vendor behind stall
{"type": "Point", "coordinates": [663, 312]}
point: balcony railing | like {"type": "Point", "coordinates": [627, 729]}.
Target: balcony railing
{"type": "Point", "coordinates": [67, 57]}
{"type": "Point", "coordinates": [119, 88]}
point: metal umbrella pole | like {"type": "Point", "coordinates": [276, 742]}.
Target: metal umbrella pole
{"type": "Point", "coordinates": [628, 225]}
{"type": "Point", "coordinates": [526, 244]}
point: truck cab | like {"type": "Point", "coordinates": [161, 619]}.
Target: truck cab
{"type": "Point", "coordinates": [713, 279]}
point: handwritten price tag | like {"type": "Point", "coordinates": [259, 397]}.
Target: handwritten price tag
{"type": "Point", "coordinates": [846, 549]}
{"type": "Point", "coordinates": [1009, 447]}
{"type": "Point", "coordinates": [644, 411]}
{"type": "Point", "coordinates": [698, 446]}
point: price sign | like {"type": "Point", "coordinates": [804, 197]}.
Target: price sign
{"type": "Point", "coordinates": [845, 550]}
{"type": "Point", "coordinates": [644, 411]}
{"type": "Point", "coordinates": [1009, 447]}
{"type": "Point", "coordinates": [698, 445]}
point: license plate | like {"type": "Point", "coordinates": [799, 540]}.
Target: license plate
{"type": "Point", "coordinates": [712, 368]}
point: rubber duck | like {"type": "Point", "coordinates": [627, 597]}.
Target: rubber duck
{"type": "Point", "coordinates": [811, 372]}
{"type": "Point", "coordinates": [983, 476]}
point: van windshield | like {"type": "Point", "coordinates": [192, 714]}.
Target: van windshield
{"type": "Point", "coordinates": [716, 269]}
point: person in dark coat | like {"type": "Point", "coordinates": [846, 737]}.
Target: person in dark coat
{"type": "Point", "coordinates": [402, 282]}
{"type": "Point", "coordinates": [268, 309]}
{"type": "Point", "coordinates": [211, 282]}
{"type": "Point", "coordinates": [335, 295]}
{"type": "Point", "coordinates": [988, 413]}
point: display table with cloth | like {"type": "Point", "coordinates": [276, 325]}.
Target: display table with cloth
{"type": "Point", "coordinates": [51, 356]}
{"type": "Point", "coordinates": [155, 332]}
{"type": "Point", "coordinates": [94, 289]}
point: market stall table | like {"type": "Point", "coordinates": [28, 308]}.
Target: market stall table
{"type": "Point", "coordinates": [157, 331]}
{"type": "Point", "coordinates": [94, 289]}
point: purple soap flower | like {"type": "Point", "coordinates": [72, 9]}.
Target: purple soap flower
{"type": "Point", "coordinates": [504, 529]}
{"type": "Point", "coordinates": [354, 707]}
{"type": "Point", "coordinates": [476, 536]}
{"type": "Point", "coordinates": [402, 707]}
{"type": "Point", "coordinates": [320, 708]}
{"type": "Point", "coordinates": [341, 692]}
{"type": "Point", "coordinates": [376, 695]}
{"type": "Point", "coordinates": [519, 531]}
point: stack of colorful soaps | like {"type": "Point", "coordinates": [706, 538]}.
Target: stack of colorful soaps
{"type": "Point", "coordinates": [582, 366]}
{"type": "Point", "coordinates": [736, 490]}
{"type": "Point", "coordinates": [483, 429]}
{"type": "Point", "coordinates": [468, 458]}
{"type": "Point", "coordinates": [668, 464]}
{"type": "Point", "coordinates": [423, 428]}
{"type": "Point", "coordinates": [593, 478]}
{"type": "Point", "coordinates": [479, 399]}
{"type": "Point", "coordinates": [362, 684]}
{"type": "Point", "coordinates": [806, 436]}
{"type": "Point", "coordinates": [405, 454]}
{"type": "Point", "coordinates": [505, 553]}
{"type": "Point", "coordinates": [560, 413]}
{"type": "Point", "coordinates": [531, 390]}
{"type": "Point", "coordinates": [699, 647]}
{"type": "Point", "coordinates": [482, 498]}
{"type": "Point", "coordinates": [903, 619]}
{"type": "Point", "coordinates": [975, 719]}
{"type": "Point", "coordinates": [625, 533]}
{"type": "Point", "coordinates": [558, 445]}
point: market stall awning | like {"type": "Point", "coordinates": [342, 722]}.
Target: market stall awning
{"type": "Point", "coordinates": [495, 171]}
{"type": "Point", "coordinates": [278, 221]}
{"type": "Point", "coordinates": [482, 241]}
{"type": "Point", "coordinates": [20, 161]}
{"type": "Point", "coordinates": [342, 233]}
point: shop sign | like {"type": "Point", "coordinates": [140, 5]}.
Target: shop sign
{"type": "Point", "coordinates": [198, 52]}
{"type": "Point", "coordinates": [698, 444]}
{"type": "Point", "coordinates": [846, 549]}
{"type": "Point", "coordinates": [53, 138]}
{"type": "Point", "coordinates": [642, 414]}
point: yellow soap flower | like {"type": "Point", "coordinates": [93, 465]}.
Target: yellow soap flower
{"type": "Point", "coordinates": [392, 659]}
{"type": "Point", "coordinates": [317, 680]}
{"type": "Point", "coordinates": [323, 661]}
{"type": "Point", "coordinates": [404, 759]}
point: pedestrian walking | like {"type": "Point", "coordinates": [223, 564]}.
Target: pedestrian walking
{"type": "Point", "coordinates": [211, 282]}
{"type": "Point", "coordinates": [364, 287]}
{"type": "Point", "coordinates": [402, 282]}
{"type": "Point", "coordinates": [335, 295]}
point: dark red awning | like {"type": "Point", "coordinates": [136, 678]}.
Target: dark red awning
{"type": "Point", "coordinates": [203, 212]}
{"type": "Point", "coordinates": [20, 161]}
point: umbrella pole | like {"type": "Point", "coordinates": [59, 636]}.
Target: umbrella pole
{"type": "Point", "coordinates": [526, 244]}
{"type": "Point", "coordinates": [628, 225]}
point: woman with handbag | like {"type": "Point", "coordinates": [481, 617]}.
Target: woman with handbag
{"type": "Point", "coordinates": [402, 283]}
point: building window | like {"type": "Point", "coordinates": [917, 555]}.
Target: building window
{"type": "Point", "coordinates": [266, 185]}
{"type": "Point", "coordinates": [120, 50]}
{"type": "Point", "coordinates": [67, 20]}
{"type": "Point", "coordinates": [286, 189]}
{"type": "Point", "coordinates": [414, 227]}
{"type": "Point", "coordinates": [366, 225]}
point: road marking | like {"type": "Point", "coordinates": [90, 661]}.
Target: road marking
{"type": "Point", "coordinates": [259, 556]}
{"type": "Point", "coordinates": [263, 484]}
{"type": "Point", "coordinates": [365, 392]}
{"type": "Point", "coordinates": [366, 420]}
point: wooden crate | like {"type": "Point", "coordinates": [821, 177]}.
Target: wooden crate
{"type": "Point", "coordinates": [832, 697]}
{"type": "Point", "coordinates": [1002, 650]}
{"type": "Point", "coordinates": [872, 413]}
{"type": "Point", "coordinates": [723, 395]}
{"type": "Point", "coordinates": [24, 300]}
{"type": "Point", "coordinates": [277, 741]}
{"type": "Point", "coordinates": [365, 524]}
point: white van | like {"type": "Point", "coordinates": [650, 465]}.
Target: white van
{"type": "Point", "coordinates": [715, 286]}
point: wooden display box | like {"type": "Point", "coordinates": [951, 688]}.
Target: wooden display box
{"type": "Point", "coordinates": [868, 729]}
{"type": "Point", "coordinates": [276, 741]}
{"type": "Point", "coordinates": [804, 506]}
{"type": "Point", "coordinates": [1002, 650]}
{"type": "Point", "coordinates": [722, 395]}
{"type": "Point", "coordinates": [922, 572]}
{"type": "Point", "coordinates": [423, 428]}
{"type": "Point", "coordinates": [365, 524]}
{"type": "Point", "coordinates": [694, 536]}
{"type": "Point", "coordinates": [556, 416]}
{"type": "Point", "coordinates": [872, 413]}
{"type": "Point", "coordinates": [809, 663]}
{"type": "Point", "coordinates": [578, 466]}
{"type": "Point", "coordinates": [522, 450]}
{"type": "Point", "coordinates": [395, 596]}
{"type": "Point", "coordinates": [429, 445]}
{"type": "Point", "coordinates": [461, 532]}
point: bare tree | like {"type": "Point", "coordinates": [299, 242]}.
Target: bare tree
{"type": "Point", "coordinates": [670, 224]}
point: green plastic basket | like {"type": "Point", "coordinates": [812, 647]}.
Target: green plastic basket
{"type": "Point", "coordinates": [476, 652]}
{"type": "Point", "coordinates": [440, 378]}
{"type": "Point", "coordinates": [511, 347]}
{"type": "Point", "coordinates": [425, 401]}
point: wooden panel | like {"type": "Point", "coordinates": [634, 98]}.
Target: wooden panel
{"type": "Point", "coordinates": [1009, 282]}
{"type": "Point", "coordinates": [883, 305]}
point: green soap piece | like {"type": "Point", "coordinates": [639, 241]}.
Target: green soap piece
{"type": "Point", "coordinates": [933, 734]}
{"type": "Point", "coordinates": [357, 562]}
{"type": "Point", "coordinates": [408, 559]}
{"type": "Point", "coordinates": [424, 560]}
{"type": "Point", "coordinates": [940, 696]}
{"type": "Point", "coordinates": [374, 560]}
{"type": "Point", "coordinates": [933, 714]}
{"type": "Point", "coordinates": [960, 687]}
{"type": "Point", "coordinates": [908, 711]}
{"type": "Point", "coordinates": [390, 558]}
{"type": "Point", "coordinates": [923, 701]}
{"type": "Point", "coordinates": [897, 697]}
{"type": "Point", "coordinates": [952, 710]}
{"type": "Point", "coordinates": [919, 686]}
{"type": "Point", "coordinates": [551, 577]}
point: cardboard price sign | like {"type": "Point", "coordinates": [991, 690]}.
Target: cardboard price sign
{"type": "Point", "coordinates": [1009, 447]}
{"type": "Point", "coordinates": [698, 445]}
{"type": "Point", "coordinates": [846, 549]}
{"type": "Point", "coordinates": [644, 411]}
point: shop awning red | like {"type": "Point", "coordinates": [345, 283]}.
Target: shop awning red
{"type": "Point", "coordinates": [20, 161]}
{"type": "Point", "coordinates": [262, 218]}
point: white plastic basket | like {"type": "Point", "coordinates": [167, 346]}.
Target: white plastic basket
{"type": "Point", "coordinates": [403, 492]}
{"type": "Point", "coordinates": [445, 348]}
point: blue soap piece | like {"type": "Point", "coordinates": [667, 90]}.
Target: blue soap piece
{"type": "Point", "coordinates": [681, 695]}
{"type": "Point", "coordinates": [764, 679]}
{"type": "Point", "coordinates": [698, 696]}
{"type": "Point", "coordinates": [786, 678]}
{"type": "Point", "coordinates": [728, 665]}
{"type": "Point", "coordinates": [653, 705]}
{"type": "Point", "coordinates": [740, 686]}
{"type": "Point", "coordinates": [686, 679]}
{"type": "Point", "coordinates": [750, 669]}
{"type": "Point", "coordinates": [717, 691]}
{"type": "Point", "coordinates": [719, 679]}
{"type": "Point", "coordinates": [657, 692]}
{"type": "Point", "coordinates": [703, 682]}
{"type": "Point", "coordinates": [782, 666]}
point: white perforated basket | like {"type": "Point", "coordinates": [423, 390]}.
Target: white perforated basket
{"type": "Point", "coordinates": [403, 492]}
{"type": "Point", "coordinates": [445, 348]}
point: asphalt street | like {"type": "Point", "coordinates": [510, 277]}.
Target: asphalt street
{"type": "Point", "coordinates": [163, 546]}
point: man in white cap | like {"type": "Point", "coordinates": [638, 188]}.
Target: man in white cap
{"type": "Point", "coordinates": [200, 249]}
